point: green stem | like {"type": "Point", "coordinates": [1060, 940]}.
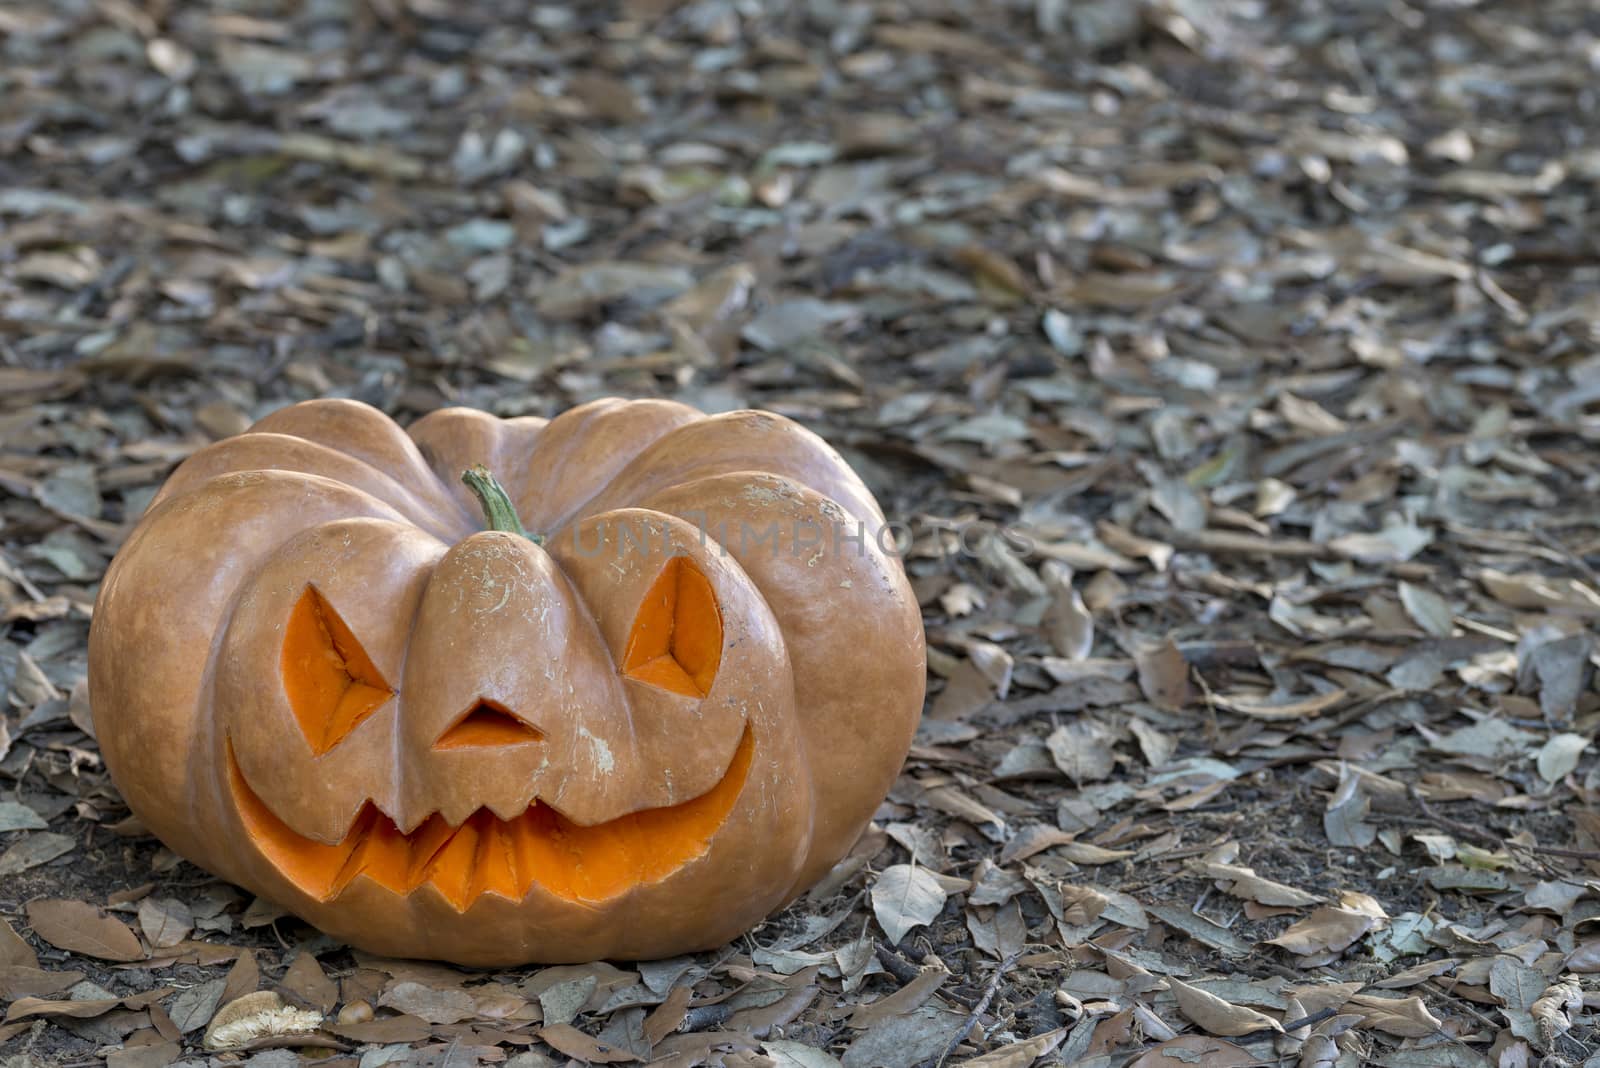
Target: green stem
{"type": "Point", "coordinates": [498, 510]}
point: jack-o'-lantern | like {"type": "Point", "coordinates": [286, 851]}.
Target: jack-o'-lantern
{"type": "Point", "coordinates": [333, 670]}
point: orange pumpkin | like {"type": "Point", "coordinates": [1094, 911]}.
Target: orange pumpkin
{"type": "Point", "coordinates": [633, 734]}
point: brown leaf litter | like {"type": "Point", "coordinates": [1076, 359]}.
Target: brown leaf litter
{"type": "Point", "coordinates": [1232, 369]}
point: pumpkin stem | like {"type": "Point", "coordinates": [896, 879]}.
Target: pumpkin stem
{"type": "Point", "coordinates": [498, 510]}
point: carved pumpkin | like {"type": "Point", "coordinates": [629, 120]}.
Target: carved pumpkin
{"type": "Point", "coordinates": [314, 672]}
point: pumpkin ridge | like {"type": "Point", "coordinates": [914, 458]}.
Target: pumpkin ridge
{"type": "Point", "coordinates": [742, 434]}
{"type": "Point", "coordinates": [223, 455]}
{"type": "Point", "coordinates": [533, 464]}
{"type": "Point", "coordinates": [456, 436]}
{"type": "Point", "coordinates": [308, 421]}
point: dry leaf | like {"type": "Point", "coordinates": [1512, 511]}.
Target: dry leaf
{"type": "Point", "coordinates": [1326, 930]}
{"type": "Point", "coordinates": [307, 981]}
{"type": "Point", "coordinates": [1219, 1017]}
{"type": "Point", "coordinates": [908, 997]}
{"type": "Point", "coordinates": [79, 927]}
{"type": "Point", "coordinates": [1195, 1051]}
{"type": "Point", "coordinates": [1289, 709]}
{"type": "Point", "coordinates": [1082, 750]}
{"type": "Point", "coordinates": [14, 950]}
{"type": "Point", "coordinates": [1430, 611]}
{"type": "Point", "coordinates": [1245, 883]}
{"type": "Point", "coordinates": [1069, 625]}
{"type": "Point", "coordinates": [165, 921]}
{"type": "Point", "coordinates": [1164, 676]}
{"type": "Point", "coordinates": [571, 1042]}
{"type": "Point", "coordinates": [1405, 1017]}
{"type": "Point", "coordinates": [1554, 1009]}
{"type": "Point", "coordinates": [1020, 1054]}
{"type": "Point", "coordinates": [1558, 757]}
{"type": "Point", "coordinates": [429, 1003]}
{"type": "Point", "coordinates": [906, 896]}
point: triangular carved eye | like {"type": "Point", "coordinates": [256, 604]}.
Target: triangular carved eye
{"type": "Point", "coordinates": [331, 681]}
{"type": "Point", "coordinates": [676, 641]}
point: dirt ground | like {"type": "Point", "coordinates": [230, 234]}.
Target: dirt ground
{"type": "Point", "coordinates": [1235, 367]}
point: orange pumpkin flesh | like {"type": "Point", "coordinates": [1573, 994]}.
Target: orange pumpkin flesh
{"type": "Point", "coordinates": [487, 723]}
{"type": "Point", "coordinates": [676, 641]}
{"type": "Point", "coordinates": [490, 855]}
{"type": "Point", "coordinates": [331, 683]}
{"type": "Point", "coordinates": [620, 738]}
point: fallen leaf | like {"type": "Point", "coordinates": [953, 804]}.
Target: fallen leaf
{"type": "Point", "coordinates": [571, 1042]}
{"type": "Point", "coordinates": [33, 850]}
{"type": "Point", "coordinates": [1554, 1009]}
{"type": "Point", "coordinates": [1217, 1016]}
{"type": "Point", "coordinates": [1082, 750]}
{"type": "Point", "coordinates": [165, 921]}
{"type": "Point", "coordinates": [1164, 676]}
{"type": "Point", "coordinates": [79, 927]}
{"type": "Point", "coordinates": [1195, 1051]}
{"type": "Point", "coordinates": [1558, 757]}
{"type": "Point", "coordinates": [15, 816]}
{"type": "Point", "coordinates": [1068, 623]}
{"type": "Point", "coordinates": [1245, 883]}
{"type": "Point", "coordinates": [1541, 592]}
{"type": "Point", "coordinates": [1289, 709]}
{"type": "Point", "coordinates": [1020, 1054]}
{"type": "Point", "coordinates": [193, 1008]}
{"type": "Point", "coordinates": [1344, 819]}
{"type": "Point", "coordinates": [903, 1041]}
{"type": "Point", "coordinates": [1405, 1017]}
{"type": "Point", "coordinates": [306, 980]}
{"type": "Point", "coordinates": [428, 1003]}
{"type": "Point", "coordinates": [14, 950]}
{"type": "Point", "coordinates": [1326, 930]}
{"type": "Point", "coordinates": [786, 1053]}
{"type": "Point", "coordinates": [904, 897]}
{"type": "Point", "coordinates": [1430, 611]}
{"type": "Point", "coordinates": [907, 998]}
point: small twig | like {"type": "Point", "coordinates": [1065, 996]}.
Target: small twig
{"type": "Point", "coordinates": [895, 964]}
{"type": "Point", "coordinates": [1461, 1004]}
{"type": "Point", "coordinates": [1577, 562]}
{"type": "Point", "coordinates": [977, 1010]}
{"type": "Point", "coordinates": [1467, 830]}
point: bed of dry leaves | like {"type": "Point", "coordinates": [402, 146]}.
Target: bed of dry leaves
{"type": "Point", "coordinates": [1235, 364]}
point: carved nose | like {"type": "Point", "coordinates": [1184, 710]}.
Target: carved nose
{"type": "Point", "coordinates": [487, 723]}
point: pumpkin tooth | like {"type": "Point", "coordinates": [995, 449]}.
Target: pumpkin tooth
{"type": "Point", "coordinates": [453, 867]}
{"type": "Point", "coordinates": [494, 867]}
{"type": "Point", "coordinates": [387, 855]}
{"type": "Point", "coordinates": [357, 845]}
{"type": "Point", "coordinates": [538, 859]}
{"type": "Point", "coordinates": [426, 843]}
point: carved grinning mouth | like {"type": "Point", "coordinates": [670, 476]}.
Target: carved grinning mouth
{"type": "Point", "coordinates": [489, 855]}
